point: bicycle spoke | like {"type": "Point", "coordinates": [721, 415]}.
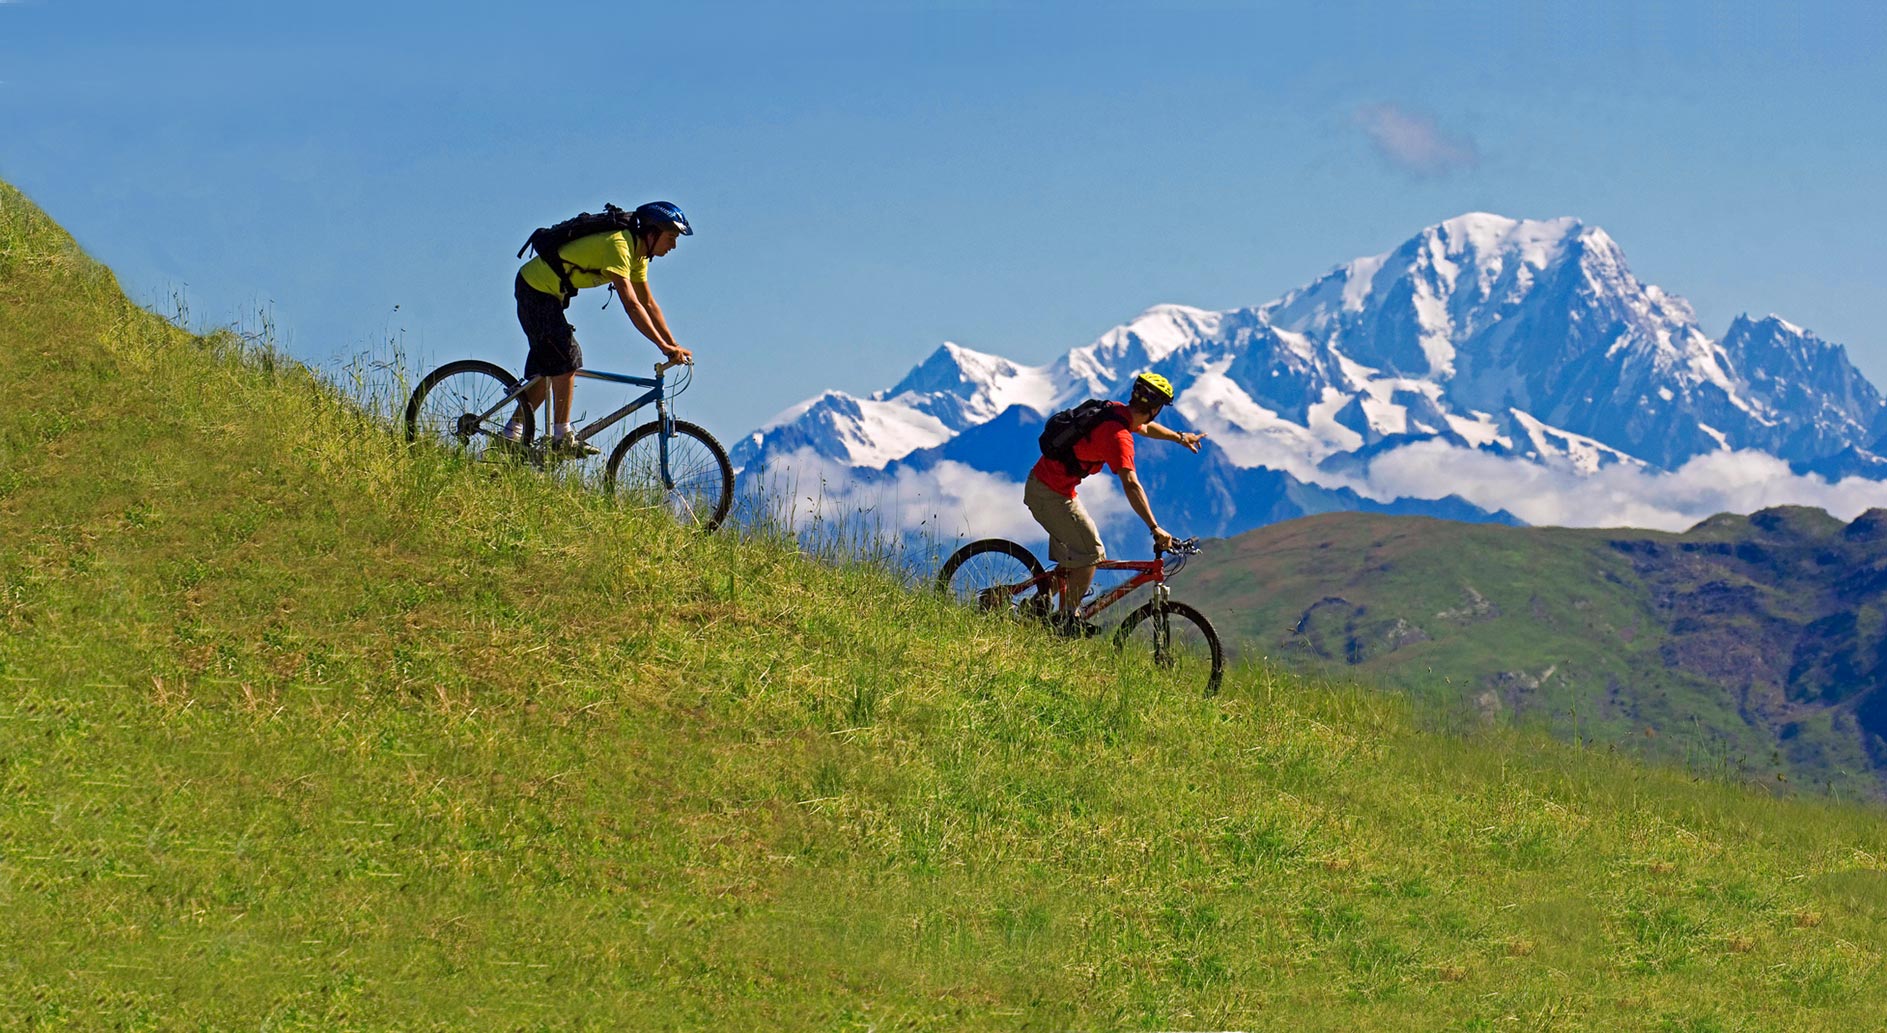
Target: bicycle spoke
{"type": "Point", "coordinates": [989, 578]}
{"type": "Point", "coordinates": [691, 475]}
{"type": "Point", "coordinates": [981, 575]}
{"type": "Point", "coordinates": [446, 408]}
{"type": "Point", "coordinates": [1178, 639]}
{"type": "Point", "coordinates": [698, 487]}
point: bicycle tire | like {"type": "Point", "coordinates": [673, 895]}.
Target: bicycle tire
{"type": "Point", "coordinates": [445, 405]}
{"type": "Point", "coordinates": [1200, 644]}
{"type": "Point", "coordinates": [988, 563]}
{"type": "Point", "coordinates": [703, 488]}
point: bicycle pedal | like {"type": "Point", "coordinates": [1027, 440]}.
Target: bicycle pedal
{"type": "Point", "coordinates": [1075, 628]}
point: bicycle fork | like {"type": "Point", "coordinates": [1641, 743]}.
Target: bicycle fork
{"type": "Point", "coordinates": [1162, 628]}
{"type": "Point", "coordinates": [662, 437]}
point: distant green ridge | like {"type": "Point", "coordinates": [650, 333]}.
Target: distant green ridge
{"type": "Point", "coordinates": [302, 731]}
{"type": "Point", "coordinates": [1751, 645]}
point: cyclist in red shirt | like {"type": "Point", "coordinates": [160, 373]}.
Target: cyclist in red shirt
{"type": "Point", "coordinates": [1074, 543]}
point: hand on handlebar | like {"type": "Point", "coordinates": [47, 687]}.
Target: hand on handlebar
{"type": "Point", "coordinates": [678, 356]}
{"type": "Point", "coordinates": [1162, 542]}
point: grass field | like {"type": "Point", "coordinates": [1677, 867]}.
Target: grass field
{"type": "Point", "coordinates": [300, 730]}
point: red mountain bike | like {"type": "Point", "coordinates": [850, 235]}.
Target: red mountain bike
{"type": "Point", "coordinates": [996, 575]}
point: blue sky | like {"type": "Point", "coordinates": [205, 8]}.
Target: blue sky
{"type": "Point", "coordinates": [869, 180]}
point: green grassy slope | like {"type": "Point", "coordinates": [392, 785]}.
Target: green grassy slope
{"type": "Point", "coordinates": [1686, 648]}
{"type": "Point", "coordinates": [301, 731]}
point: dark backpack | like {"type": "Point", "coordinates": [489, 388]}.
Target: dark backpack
{"type": "Point", "coordinates": [548, 240]}
{"type": "Point", "coordinates": [1069, 426]}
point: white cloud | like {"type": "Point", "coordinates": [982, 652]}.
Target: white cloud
{"type": "Point", "coordinates": [1615, 496]}
{"type": "Point", "coordinates": [1414, 143]}
{"type": "Point", "coordinates": [950, 500]}
{"type": "Point", "coordinates": [948, 503]}
{"type": "Point", "coordinates": [953, 502]}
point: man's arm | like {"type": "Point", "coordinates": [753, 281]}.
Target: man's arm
{"type": "Point", "coordinates": [1137, 498]}
{"type": "Point", "coordinates": [647, 297]}
{"type": "Point", "coordinates": [1158, 433]}
{"type": "Point", "coordinates": [639, 305]}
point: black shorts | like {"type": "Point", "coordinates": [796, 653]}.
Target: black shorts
{"type": "Point", "coordinates": [553, 340]}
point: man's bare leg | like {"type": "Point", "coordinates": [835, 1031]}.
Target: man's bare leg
{"type": "Point", "coordinates": [1075, 588]}
{"type": "Point", "coordinates": [560, 388]}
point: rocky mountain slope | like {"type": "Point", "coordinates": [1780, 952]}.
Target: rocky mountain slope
{"type": "Point", "coordinates": [1757, 642]}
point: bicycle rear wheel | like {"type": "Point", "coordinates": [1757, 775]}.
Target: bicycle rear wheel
{"type": "Point", "coordinates": [979, 574]}
{"type": "Point", "coordinates": [1180, 639]}
{"type": "Point", "coordinates": [446, 407]}
{"type": "Point", "coordinates": [699, 488]}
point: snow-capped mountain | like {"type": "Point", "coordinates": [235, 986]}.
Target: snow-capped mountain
{"type": "Point", "coordinates": [1530, 340]}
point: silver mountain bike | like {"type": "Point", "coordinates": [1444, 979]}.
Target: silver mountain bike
{"type": "Point", "coordinates": [665, 462]}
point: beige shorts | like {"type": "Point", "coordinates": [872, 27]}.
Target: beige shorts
{"type": "Point", "coordinates": [1073, 540]}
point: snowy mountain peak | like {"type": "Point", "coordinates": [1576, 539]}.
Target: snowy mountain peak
{"type": "Point", "coordinates": [1146, 341]}
{"type": "Point", "coordinates": [1527, 339]}
{"type": "Point", "coordinates": [1444, 276]}
{"type": "Point", "coordinates": [1483, 236]}
{"type": "Point", "coordinates": [1773, 322]}
{"type": "Point", "coordinates": [864, 432]}
{"type": "Point", "coordinates": [1156, 333]}
{"type": "Point", "coordinates": [952, 368]}
{"type": "Point", "coordinates": [953, 389]}
{"type": "Point", "coordinates": [1786, 325]}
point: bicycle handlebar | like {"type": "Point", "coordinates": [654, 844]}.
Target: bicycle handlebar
{"type": "Point", "coordinates": [1187, 547]}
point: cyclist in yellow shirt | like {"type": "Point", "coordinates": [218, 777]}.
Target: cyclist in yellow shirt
{"type": "Point", "coordinates": [619, 259]}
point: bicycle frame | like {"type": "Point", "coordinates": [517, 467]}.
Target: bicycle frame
{"type": "Point", "coordinates": [594, 427]}
{"type": "Point", "coordinates": [1151, 572]}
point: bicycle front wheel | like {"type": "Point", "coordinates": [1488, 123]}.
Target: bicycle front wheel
{"type": "Point", "coordinates": [1180, 639]}
{"type": "Point", "coordinates": [449, 406]}
{"type": "Point", "coordinates": [981, 574]}
{"type": "Point", "coordinates": [698, 486]}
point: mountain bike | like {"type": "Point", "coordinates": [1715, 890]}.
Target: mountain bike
{"type": "Point", "coordinates": [995, 575]}
{"type": "Point", "coordinates": [665, 462]}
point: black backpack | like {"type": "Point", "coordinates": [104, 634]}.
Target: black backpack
{"type": "Point", "coordinates": [1069, 426]}
{"type": "Point", "coordinates": [548, 240]}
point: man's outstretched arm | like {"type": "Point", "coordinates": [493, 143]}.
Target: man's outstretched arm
{"type": "Point", "coordinates": [1158, 433]}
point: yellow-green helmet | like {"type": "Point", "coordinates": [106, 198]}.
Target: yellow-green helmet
{"type": "Point", "coordinates": [1153, 388]}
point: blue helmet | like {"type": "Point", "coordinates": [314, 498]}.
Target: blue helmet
{"type": "Point", "coordinates": [660, 215]}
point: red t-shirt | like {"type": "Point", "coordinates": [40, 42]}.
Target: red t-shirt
{"type": "Point", "coordinates": [1110, 444]}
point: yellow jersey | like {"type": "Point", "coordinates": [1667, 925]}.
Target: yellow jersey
{"type": "Point", "coordinates": [593, 260]}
